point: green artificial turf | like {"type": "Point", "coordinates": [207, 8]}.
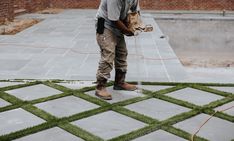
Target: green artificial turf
{"type": "Point", "coordinates": [152, 124]}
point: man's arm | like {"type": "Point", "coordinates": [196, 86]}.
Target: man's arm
{"type": "Point", "coordinates": [122, 27]}
{"type": "Point", "coordinates": [135, 7]}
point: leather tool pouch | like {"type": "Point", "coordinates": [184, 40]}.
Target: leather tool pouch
{"type": "Point", "coordinates": [100, 25]}
{"type": "Point", "coordinates": [134, 23]}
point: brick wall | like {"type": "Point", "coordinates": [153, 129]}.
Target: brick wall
{"type": "Point", "coordinates": [155, 4]}
{"type": "Point", "coordinates": [6, 10]}
{"type": "Point", "coordinates": [74, 3]}
{"type": "Point", "coordinates": [20, 3]}
{"type": "Point", "coordinates": [32, 5]}
{"type": "Point", "coordinates": [35, 5]}
{"type": "Point", "coordinates": [188, 4]}
{"type": "Point", "coordinates": [213, 4]}
{"type": "Point", "coordinates": [7, 6]}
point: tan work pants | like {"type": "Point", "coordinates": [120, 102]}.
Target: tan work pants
{"type": "Point", "coordinates": [113, 52]}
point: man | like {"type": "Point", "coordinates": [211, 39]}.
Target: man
{"type": "Point", "coordinates": [111, 28]}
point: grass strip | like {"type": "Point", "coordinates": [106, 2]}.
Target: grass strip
{"type": "Point", "coordinates": [91, 99]}
{"type": "Point", "coordinates": [177, 101]}
{"type": "Point", "coordinates": [210, 90]}
{"type": "Point", "coordinates": [135, 115]}
{"type": "Point", "coordinates": [86, 114]}
{"type": "Point", "coordinates": [220, 115]}
{"type": "Point", "coordinates": [27, 131]}
{"type": "Point", "coordinates": [10, 98]}
{"type": "Point", "coordinates": [137, 133]}
{"type": "Point", "coordinates": [218, 103]}
{"type": "Point", "coordinates": [75, 130]}
{"type": "Point", "coordinates": [53, 97]}
{"type": "Point", "coordinates": [132, 101]}
{"type": "Point", "coordinates": [8, 88]}
{"type": "Point", "coordinates": [58, 87]}
{"type": "Point", "coordinates": [180, 117]}
{"type": "Point", "coordinates": [169, 90]}
{"type": "Point", "coordinates": [39, 113]}
{"type": "Point", "coordinates": [181, 133]}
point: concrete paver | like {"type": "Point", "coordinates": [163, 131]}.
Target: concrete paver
{"type": "Point", "coordinates": [12, 64]}
{"type": "Point", "coordinates": [153, 88]}
{"type": "Point", "coordinates": [53, 134]}
{"type": "Point", "coordinates": [226, 106]}
{"type": "Point", "coordinates": [160, 135]}
{"type": "Point", "coordinates": [6, 84]}
{"type": "Point", "coordinates": [109, 124]}
{"type": "Point", "coordinates": [157, 109]}
{"type": "Point", "coordinates": [215, 130]}
{"type": "Point", "coordinates": [119, 95]}
{"type": "Point", "coordinates": [3, 103]}
{"type": "Point", "coordinates": [225, 89]}
{"type": "Point", "coordinates": [194, 96]}
{"type": "Point", "coordinates": [17, 119]}
{"type": "Point", "coordinates": [77, 84]}
{"type": "Point", "coordinates": [66, 106]}
{"type": "Point", "coordinates": [34, 92]}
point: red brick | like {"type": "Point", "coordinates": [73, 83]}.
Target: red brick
{"type": "Point", "coordinates": [154, 4]}
{"type": "Point", "coordinates": [7, 6]}
{"type": "Point", "coordinates": [6, 10]}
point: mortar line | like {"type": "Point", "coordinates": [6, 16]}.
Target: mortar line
{"type": "Point", "coordinates": [161, 59]}
{"type": "Point", "coordinates": [82, 63]}
{"type": "Point", "coordinates": [162, 62]}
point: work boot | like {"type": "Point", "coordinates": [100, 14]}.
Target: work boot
{"type": "Point", "coordinates": [101, 91]}
{"type": "Point", "coordinates": [120, 83]}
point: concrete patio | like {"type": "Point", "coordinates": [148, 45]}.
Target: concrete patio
{"type": "Point", "coordinates": [63, 46]}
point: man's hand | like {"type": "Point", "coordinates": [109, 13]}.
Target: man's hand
{"type": "Point", "coordinates": [123, 28]}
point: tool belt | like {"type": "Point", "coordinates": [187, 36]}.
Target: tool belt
{"type": "Point", "coordinates": [134, 23]}
{"type": "Point", "coordinates": [100, 25]}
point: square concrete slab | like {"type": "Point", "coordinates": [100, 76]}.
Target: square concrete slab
{"type": "Point", "coordinates": [12, 65]}
{"type": "Point", "coordinates": [3, 103]}
{"type": "Point", "coordinates": [34, 92]}
{"type": "Point", "coordinates": [157, 109]}
{"type": "Point", "coordinates": [6, 84]}
{"type": "Point", "coordinates": [66, 106]}
{"type": "Point", "coordinates": [160, 135]}
{"type": "Point", "coordinates": [227, 106]}
{"type": "Point", "coordinates": [215, 129]}
{"type": "Point", "coordinates": [118, 96]}
{"type": "Point", "coordinates": [77, 84]}
{"type": "Point", "coordinates": [224, 89]}
{"type": "Point", "coordinates": [53, 134]}
{"type": "Point", "coordinates": [153, 88]}
{"type": "Point", "coordinates": [17, 119]}
{"type": "Point", "coordinates": [109, 124]}
{"type": "Point", "coordinates": [195, 96]}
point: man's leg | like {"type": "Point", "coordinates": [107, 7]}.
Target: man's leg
{"type": "Point", "coordinates": [107, 44]}
{"type": "Point", "coordinates": [121, 66]}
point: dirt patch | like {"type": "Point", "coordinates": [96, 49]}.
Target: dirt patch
{"type": "Point", "coordinates": [11, 28]}
{"type": "Point", "coordinates": [50, 11]}
{"type": "Point", "coordinates": [207, 60]}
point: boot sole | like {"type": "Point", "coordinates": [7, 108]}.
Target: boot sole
{"type": "Point", "coordinates": [103, 97]}
{"type": "Point", "coordinates": [120, 88]}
